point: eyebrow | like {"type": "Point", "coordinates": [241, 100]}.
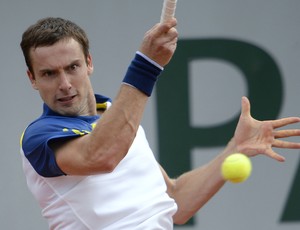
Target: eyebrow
{"type": "Point", "coordinates": [76, 61]}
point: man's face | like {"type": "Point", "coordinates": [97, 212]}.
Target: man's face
{"type": "Point", "coordinates": [61, 75]}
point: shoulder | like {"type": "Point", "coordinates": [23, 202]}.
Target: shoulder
{"type": "Point", "coordinates": [47, 128]}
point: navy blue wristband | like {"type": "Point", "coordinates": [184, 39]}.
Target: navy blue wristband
{"type": "Point", "coordinates": [142, 74]}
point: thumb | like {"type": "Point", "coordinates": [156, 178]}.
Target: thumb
{"type": "Point", "coordinates": [245, 107]}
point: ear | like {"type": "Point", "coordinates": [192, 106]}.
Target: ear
{"type": "Point", "coordinates": [32, 80]}
{"type": "Point", "coordinates": [90, 65]}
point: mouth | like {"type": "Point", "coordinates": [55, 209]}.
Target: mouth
{"type": "Point", "coordinates": [66, 100]}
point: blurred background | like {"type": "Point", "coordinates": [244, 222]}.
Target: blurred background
{"type": "Point", "coordinates": [115, 29]}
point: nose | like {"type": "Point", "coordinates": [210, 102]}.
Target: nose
{"type": "Point", "coordinates": [64, 83]}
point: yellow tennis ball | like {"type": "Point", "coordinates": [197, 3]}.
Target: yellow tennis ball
{"type": "Point", "coordinates": [236, 168]}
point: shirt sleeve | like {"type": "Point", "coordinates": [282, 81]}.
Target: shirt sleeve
{"type": "Point", "coordinates": [36, 140]}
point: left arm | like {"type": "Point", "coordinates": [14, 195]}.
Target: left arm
{"type": "Point", "coordinates": [193, 189]}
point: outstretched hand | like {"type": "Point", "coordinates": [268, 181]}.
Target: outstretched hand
{"type": "Point", "coordinates": [253, 137]}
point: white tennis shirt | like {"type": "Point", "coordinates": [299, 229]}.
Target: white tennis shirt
{"type": "Point", "coordinates": [133, 196]}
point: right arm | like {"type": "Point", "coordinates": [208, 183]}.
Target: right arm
{"type": "Point", "coordinates": [102, 149]}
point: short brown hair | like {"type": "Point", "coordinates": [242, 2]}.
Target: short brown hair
{"type": "Point", "coordinates": [48, 31]}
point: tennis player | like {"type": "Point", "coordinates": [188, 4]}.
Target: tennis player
{"type": "Point", "coordinates": [87, 160]}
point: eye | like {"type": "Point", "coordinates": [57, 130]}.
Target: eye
{"type": "Point", "coordinates": [73, 67]}
{"type": "Point", "coordinates": [48, 73]}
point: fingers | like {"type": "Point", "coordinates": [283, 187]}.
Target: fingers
{"type": "Point", "coordinates": [166, 26]}
{"type": "Point", "coordinates": [162, 28]}
{"type": "Point", "coordinates": [286, 133]}
{"type": "Point", "coordinates": [283, 134]}
{"type": "Point", "coordinates": [284, 121]}
{"type": "Point", "coordinates": [275, 155]}
{"type": "Point", "coordinates": [259, 137]}
{"type": "Point", "coordinates": [168, 31]}
{"type": "Point", "coordinates": [285, 144]}
{"type": "Point", "coordinates": [160, 42]}
{"type": "Point", "coordinates": [275, 123]}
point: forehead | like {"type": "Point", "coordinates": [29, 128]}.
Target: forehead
{"type": "Point", "coordinates": [60, 53]}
